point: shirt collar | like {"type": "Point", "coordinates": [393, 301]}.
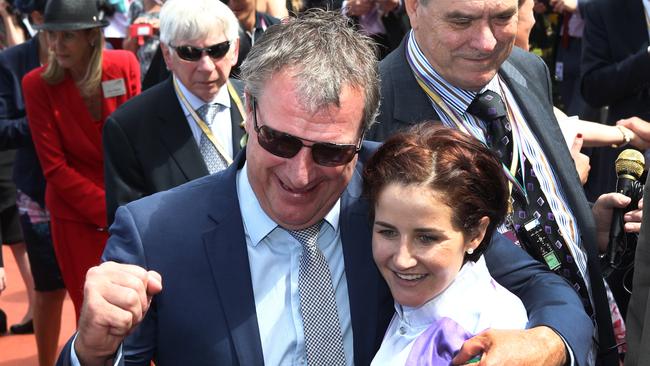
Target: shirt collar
{"type": "Point", "coordinates": [256, 222]}
{"type": "Point", "coordinates": [457, 98]}
{"type": "Point", "coordinates": [222, 97]}
{"type": "Point", "coordinates": [446, 304]}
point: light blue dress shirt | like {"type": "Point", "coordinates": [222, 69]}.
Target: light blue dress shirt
{"type": "Point", "coordinates": [274, 257]}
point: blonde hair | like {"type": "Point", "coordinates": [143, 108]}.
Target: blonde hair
{"type": "Point", "coordinates": [89, 83]}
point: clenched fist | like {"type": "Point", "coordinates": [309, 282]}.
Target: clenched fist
{"type": "Point", "coordinates": [116, 299]}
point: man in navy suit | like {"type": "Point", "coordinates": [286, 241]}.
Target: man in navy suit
{"type": "Point", "coordinates": [209, 272]}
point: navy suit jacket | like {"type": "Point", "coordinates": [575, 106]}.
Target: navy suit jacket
{"type": "Point", "coordinates": [193, 236]}
{"type": "Point", "coordinates": [15, 62]}
{"type": "Point", "coordinates": [404, 103]}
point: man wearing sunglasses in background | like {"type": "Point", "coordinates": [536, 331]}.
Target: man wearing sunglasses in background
{"type": "Point", "coordinates": [187, 126]}
{"type": "Point", "coordinates": [269, 262]}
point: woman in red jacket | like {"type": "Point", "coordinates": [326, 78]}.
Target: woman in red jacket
{"type": "Point", "coordinates": [67, 102]}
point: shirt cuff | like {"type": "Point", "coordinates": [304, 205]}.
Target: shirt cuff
{"type": "Point", "coordinates": [74, 360]}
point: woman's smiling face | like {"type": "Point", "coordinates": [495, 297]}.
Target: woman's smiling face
{"type": "Point", "coordinates": [414, 244]}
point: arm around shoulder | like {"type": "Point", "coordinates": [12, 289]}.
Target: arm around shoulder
{"type": "Point", "coordinates": [549, 299]}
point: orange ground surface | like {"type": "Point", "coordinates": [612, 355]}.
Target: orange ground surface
{"type": "Point", "coordinates": [20, 350]}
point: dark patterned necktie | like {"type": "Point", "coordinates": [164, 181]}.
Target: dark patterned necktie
{"type": "Point", "coordinates": [489, 107]}
{"type": "Point", "coordinates": [213, 159]}
{"type": "Point", "coordinates": [323, 336]}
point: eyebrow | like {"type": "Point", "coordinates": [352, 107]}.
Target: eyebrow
{"type": "Point", "coordinates": [458, 14]}
{"type": "Point", "coordinates": [384, 224]}
{"type": "Point", "coordinates": [417, 230]}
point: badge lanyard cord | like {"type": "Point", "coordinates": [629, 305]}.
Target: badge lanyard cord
{"type": "Point", "coordinates": [204, 126]}
{"type": "Point", "coordinates": [456, 119]}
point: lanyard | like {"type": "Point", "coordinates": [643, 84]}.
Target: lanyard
{"type": "Point", "coordinates": [457, 120]}
{"type": "Point", "coordinates": [517, 144]}
{"type": "Point", "coordinates": [204, 126]}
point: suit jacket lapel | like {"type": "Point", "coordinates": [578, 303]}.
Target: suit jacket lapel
{"type": "Point", "coordinates": [413, 106]}
{"type": "Point", "coordinates": [177, 137]}
{"type": "Point", "coordinates": [225, 246]}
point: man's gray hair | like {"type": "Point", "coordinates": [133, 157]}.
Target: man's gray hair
{"type": "Point", "coordinates": [322, 52]}
{"type": "Point", "coordinates": [182, 20]}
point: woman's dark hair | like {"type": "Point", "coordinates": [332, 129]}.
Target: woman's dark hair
{"type": "Point", "coordinates": [461, 168]}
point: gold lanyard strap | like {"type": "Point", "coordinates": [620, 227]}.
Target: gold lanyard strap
{"type": "Point", "coordinates": [461, 126]}
{"type": "Point", "coordinates": [440, 103]}
{"type": "Point", "coordinates": [202, 125]}
{"type": "Point", "coordinates": [240, 106]}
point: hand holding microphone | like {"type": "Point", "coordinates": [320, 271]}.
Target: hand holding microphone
{"type": "Point", "coordinates": [629, 167]}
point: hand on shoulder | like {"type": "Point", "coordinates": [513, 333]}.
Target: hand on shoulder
{"type": "Point", "coordinates": [539, 346]}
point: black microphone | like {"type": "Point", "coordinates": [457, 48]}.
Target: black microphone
{"type": "Point", "coordinates": [629, 167]}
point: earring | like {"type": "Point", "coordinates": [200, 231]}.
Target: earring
{"type": "Point", "coordinates": [470, 251]}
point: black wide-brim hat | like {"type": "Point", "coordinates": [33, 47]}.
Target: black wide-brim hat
{"type": "Point", "coordinates": [63, 15]}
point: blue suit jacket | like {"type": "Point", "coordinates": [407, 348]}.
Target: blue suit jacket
{"type": "Point", "coordinates": [205, 315]}
{"type": "Point", "coordinates": [15, 62]}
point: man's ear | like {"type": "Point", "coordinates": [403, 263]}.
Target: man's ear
{"type": "Point", "coordinates": [248, 105]}
{"type": "Point", "coordinates": [235, 52]}
{"type": "Point", "coordinates": [411, 7]}
{"type": "Point", "coordinates": [167, 55]}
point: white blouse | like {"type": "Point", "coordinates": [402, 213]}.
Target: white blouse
{"type": "Point", "coordinates": [474, 300]}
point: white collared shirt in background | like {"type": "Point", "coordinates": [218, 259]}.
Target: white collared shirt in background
{"type": "Point", "coordinates": [221, 127]}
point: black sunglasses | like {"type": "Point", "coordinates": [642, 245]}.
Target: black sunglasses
{"type": "Point", "coordinates": [287, 146]}
{"type": "Point", "coordinates": [191, 53]}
